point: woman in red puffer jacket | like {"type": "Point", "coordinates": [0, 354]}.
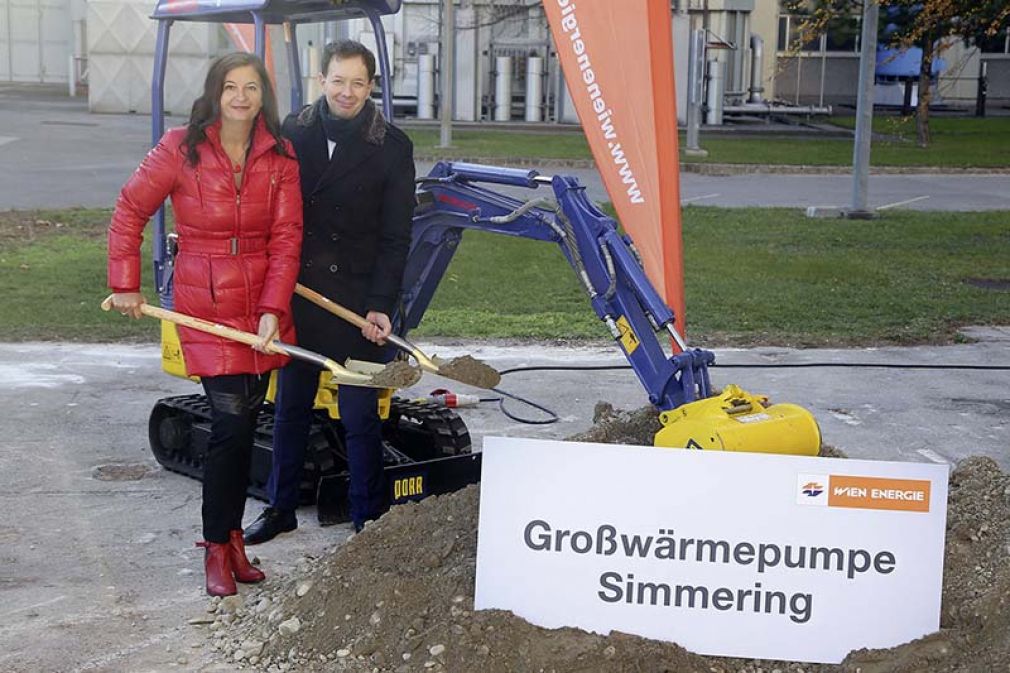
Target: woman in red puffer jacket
{"type": "Point", "coordinates": [235, 193]}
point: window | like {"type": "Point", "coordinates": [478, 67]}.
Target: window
{"type": "Point", "coordinates": [997, 44]}
{"type": "Point", "coordinates": [843, 34]}
{"type": "Point", "coordinates": [840, 34]}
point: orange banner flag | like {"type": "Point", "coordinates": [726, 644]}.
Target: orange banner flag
{"type": "Point", "coordinates": [617, 58]}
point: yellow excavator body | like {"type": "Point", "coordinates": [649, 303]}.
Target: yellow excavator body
{"type": "Point", "coordinates": [736, 420]}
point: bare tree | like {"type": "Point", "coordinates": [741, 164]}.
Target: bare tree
{"type": "Point", "coordinates": [931, 25]}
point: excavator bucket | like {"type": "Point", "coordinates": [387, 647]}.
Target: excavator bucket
{"type": "Point", "coordinates": [736, 420]}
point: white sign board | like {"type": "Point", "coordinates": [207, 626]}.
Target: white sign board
{"type": "Point", "coordinates": [732, 554]}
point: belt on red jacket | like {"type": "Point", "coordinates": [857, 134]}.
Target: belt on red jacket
{"type": "Point", "coordinates": [222, 246]}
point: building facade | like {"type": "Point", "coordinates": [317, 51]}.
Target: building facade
{"type": "Point", "coordinates": [40, 39]}
{"type": "Point", "coordinates": [506, 65]}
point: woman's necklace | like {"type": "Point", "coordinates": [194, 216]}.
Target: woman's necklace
{"type": "Point", "coordinates": [238, 158]}
{"type": "Point", "coordinates": [237, 161]}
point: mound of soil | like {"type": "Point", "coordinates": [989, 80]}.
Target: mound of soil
{"type": "Point", "coordinates": [397, 374]}
{"type": "Point", "coordinates": [469, 370]}
{"type": "Point", "coordinates": [398, 598]}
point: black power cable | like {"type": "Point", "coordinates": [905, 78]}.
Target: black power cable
{"type": "Point", "coordinates": [867, 365]}
{"type": "Point", "coordinates": [795, 365]}
{"type": "Point", "coordinates": [553, 417]}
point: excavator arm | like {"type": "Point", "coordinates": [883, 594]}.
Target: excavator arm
{"type": "Point", "coordinates": [453, 198]}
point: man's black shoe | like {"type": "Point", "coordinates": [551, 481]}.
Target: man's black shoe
{"type": "Point", "coordinates": [271, 523]}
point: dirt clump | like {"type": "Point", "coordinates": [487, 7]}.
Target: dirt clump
{"type": "Point", "coordinates": [468, 369]}
{"type": "Point", "coordinates": [397, 374]}
{"type": "Point", "coordinates": [398, 598]}
{"type": "Point", "coordinates": [616, 426]}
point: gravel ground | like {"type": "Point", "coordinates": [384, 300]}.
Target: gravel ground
{"type": "Point", "coordinates": [398, 598]}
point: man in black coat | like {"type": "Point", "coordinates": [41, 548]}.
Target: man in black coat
{"type": "Point", "coordinates": [357, 175]}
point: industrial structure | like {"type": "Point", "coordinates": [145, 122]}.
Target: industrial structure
{"type": "Point", "coordinates": [506, 68]}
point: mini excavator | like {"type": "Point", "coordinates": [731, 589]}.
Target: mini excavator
{"type": "Point", "coordinates": [427, 447]}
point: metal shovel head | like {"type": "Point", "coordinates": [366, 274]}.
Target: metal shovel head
{"type": "Point", "coordinates": [342, 380]}
{"type": "Point", "coordinates": [396, 374]}
{"type": "Point", "coordinates": [428, 364]}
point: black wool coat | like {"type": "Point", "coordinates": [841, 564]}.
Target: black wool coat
{"type": "Point", "coordinates": [358, 208]}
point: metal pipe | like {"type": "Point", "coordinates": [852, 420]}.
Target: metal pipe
{"type": "Point", "coordinates": [768, 108]}
{"type": "Point", "coordinates": [681, 342]}
{"type": "Point", "coordinates": [426, 86]}
{"type": "Point", "coordinates": [695, 88]}
{"type": "Point", "coordinates": [757, 64]}
{"type": "Point", "coordinates": [799, 73]}
{"type": "Point", "coordinates": [79, 53]}
{"type": "Point", "coordinates": [157, 130]}
{"type": "Point", "coordinates": [313, 68]}
{"type": "Point", "coordinates": [387, 72]}
{"type": "Point", "coordinates": [824, 66]}
{"type": "Point", "coordinates": [297, 92]}
{"type": "Point", "coordinates": [982, 90]}
{"type": "Point", "coordinates": [446, 72]}
{"type": "Point", "coordinates": [716, 85]}
{"type": "Point", "coordinates": [260, 30]}
{"type": "Point", "coordinates": [503, 88]}
{"type": "Point", "coordinates": [559, 95]}
{"type": "Point", "coordinates": [534, 88]}
{"type": "Point", "coordinates": [864, 111]}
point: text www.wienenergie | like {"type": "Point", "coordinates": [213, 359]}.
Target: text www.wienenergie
{"type": "Point", "coordinates": [570, 25]}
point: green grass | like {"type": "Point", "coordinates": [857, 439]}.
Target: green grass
{"type": "Point", "coordinates": [773, 275]}
{"type": "Point", "coordinates": [500, 286]}
{"type": "Point", "coordinates": [768, 276]}
{"type": "Point", "coordinates": [52, 278]}
{"type": "Point", "coordinates": [956, 143]}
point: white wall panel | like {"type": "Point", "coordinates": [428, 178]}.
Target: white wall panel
{"type": "Point", "coordinates": [5, 45]}
{"type": "Point", "coordinates": [121, 42]}
{"type": "Point", "coordinates": [56, 40]}
{"type": "Point", "coordinates": [35, 40]}
{"type": "Point", "coordinates": [24, 36]}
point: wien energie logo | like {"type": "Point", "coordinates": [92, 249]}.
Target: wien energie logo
{"type": "Point", "coordinates": [857, 492]}
{"type": "Point", "coordinates": [812, 489]}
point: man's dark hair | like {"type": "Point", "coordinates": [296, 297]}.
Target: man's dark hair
{"type": "Point", "coordinates": [342, 49]}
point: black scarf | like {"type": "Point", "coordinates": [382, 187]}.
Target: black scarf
{"type": "Point", "coordinates": [339, 130]}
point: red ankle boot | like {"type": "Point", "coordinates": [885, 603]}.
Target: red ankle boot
{"type": "Point", "coordinates": [217, 566]}
{"type": "Point", "coordinates": [244, 571]}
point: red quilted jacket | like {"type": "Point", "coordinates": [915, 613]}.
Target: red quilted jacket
{"type": "Point", "coordinates": [238, 248]}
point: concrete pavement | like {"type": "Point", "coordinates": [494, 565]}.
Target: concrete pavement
{"type": "Point", "coordinates": [910, 191]}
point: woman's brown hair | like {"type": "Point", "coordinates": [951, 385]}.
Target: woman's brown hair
{"type": "Point", "coordinates": [207, 108]}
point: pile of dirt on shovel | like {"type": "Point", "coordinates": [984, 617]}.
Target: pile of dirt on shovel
{"type": "Point", "coordinates": [398, 598]}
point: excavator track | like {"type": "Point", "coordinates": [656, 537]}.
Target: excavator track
{"type": "Point", "coordinates": [424, 430]}
{"type": "Point", "coordinates": [179, 430]}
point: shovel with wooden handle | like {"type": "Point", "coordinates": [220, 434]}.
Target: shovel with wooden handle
{"type": "Point", "coordinates": [464, 369]}
{"type": "Point", "coordinates": [341, 374]}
